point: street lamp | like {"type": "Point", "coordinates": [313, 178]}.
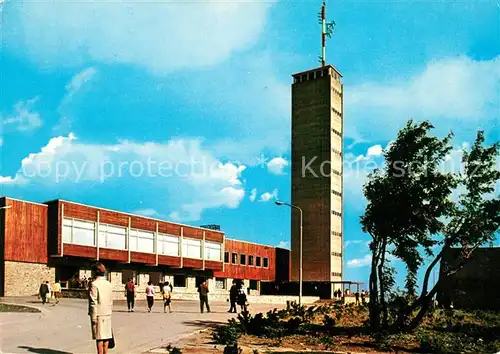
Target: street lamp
{"type": "Point", "coordinates": [300, 246]}
{"type": "Point", "coordinates": [6, 207]}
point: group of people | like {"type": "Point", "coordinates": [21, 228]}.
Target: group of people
{"type": "Point", "coordinates": [46, 292]}
{"type": "Point", "coordinates": [237, 295]}
{"type": "Point", "coordinates": [166, 290]}
{"type": "Point", "coordinates": [338, 294]}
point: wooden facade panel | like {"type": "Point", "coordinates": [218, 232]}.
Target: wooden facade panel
{"type": "Point", "coordinates": [145, 258]}
{"type": "Point", "coordinates": [114, 255]}
{"type": "Point", "coordinates": [143, 224]}
{"type": "Point", "coordinates": [80, 251]}
{"type": "Point", "coordinates": [168, 228]}
{"type": "Point", "coordinates": [109, 217]}
{"type": "Point", "coordinates": [237, 271]}
{"type": "Point", "coordinates": [214, 236]}
{"type": "Point", "coordinates": [78, 211]}
{"type": "Point", "coordinates": [169, 260]}
{"type": "Point", "coordinates": [192, 263]}
{"type": "Point", "coordinates": [192, 232]}
{"type": "Point", "coordinates": [213, 265]}
{"type": "Point", "coordinates": [25, 234]}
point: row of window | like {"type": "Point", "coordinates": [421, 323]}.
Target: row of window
{"type": "Point", "coordinates": [243, 259]}
{"type": "Point", "coordinates": [84, 233]}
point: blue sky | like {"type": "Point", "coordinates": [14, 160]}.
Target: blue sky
{"type": "Point", "coordinates": [100, 103]}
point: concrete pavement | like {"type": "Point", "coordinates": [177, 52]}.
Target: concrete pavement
{"type": "Point", "coordinates": [65, 328]}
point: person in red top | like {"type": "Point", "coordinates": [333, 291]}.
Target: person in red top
{"type": "Point", "coordinates": [130, 294]}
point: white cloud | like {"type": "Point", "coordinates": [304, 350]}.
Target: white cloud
{"type": "Point", "coordinates": [375, 150]}
{"type": "Point", "coordinates": [146, 212]}
{"type": "Point", "coordinates": [360, 262]}
{"type": "Point", "coordinates": [178, 165]}
{"type": "Point", "coordinates": [24, 118]}
{"type": "Point", "coordinates": [266, 197]}
{"type": "Point", "coordinates": [159, 36]}
{"type": "Point", "coordinates": [277, 165]}
{"type": "Point", "coordinates": [450, 92]}
{"type": "Point", "coordinates": [1, 141]}
{"type": "Point", "coordinates": [253, 194]}
{"type": "Point", "coordinates": [284, 244]}
{"type": "Point", "coordinates": [352, 242]}
{"type": "Point", "coordinates": [79, 80]}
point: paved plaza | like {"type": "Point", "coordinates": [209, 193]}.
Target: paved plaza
{"type": "Point", "coordinates": [65, 328]}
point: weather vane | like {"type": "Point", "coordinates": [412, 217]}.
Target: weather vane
{"type": "Point", "coordinates": [326, 31]}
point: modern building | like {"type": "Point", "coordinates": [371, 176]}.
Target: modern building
{"type": "Point", "coordinates": [61, 240]}
{"type": "Point", "coordinates": [317, 169]}
{"type": "Point", "coordinates": [476, 285]}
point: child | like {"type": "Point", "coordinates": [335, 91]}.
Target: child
{"type": "Point", "coordinates": [167, 298]}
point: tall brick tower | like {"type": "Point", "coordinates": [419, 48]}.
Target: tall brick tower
{"type": "Point", "coordinates": [317, 135]}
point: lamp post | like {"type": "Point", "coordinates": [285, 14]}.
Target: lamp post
{"type": "Point", "coordinates": [300, 246]}
{"type": "Point", "coordinates": [6, 207]}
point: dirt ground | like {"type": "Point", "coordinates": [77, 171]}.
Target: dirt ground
{"type": "Point", "coordinates": [201, 342]}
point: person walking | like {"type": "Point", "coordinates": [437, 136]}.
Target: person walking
{"type": "Point", "coordinates": [233, 297]}
{"type": "Point", "coordinates": [57, 291]}
{"type": "Point", "coordinates": [130, 294]}
{"type": "Point", "coordinates": [49, 294]}
{"type": "Point", "coordinates": [43, 291]}
{"type": "Point", "coordinates": [167, 297]}
{"type": "Point", "coordinates": [242, 297]}
{"type": "Point", "coordinates": [203, 291]}
{"type": "Point", "coordinates": [356, 295]}
{"type": "Point", "coordinates": [100, 309]}
{"type": "Point", "coordinates": [150, 295]}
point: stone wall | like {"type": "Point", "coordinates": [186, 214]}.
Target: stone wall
{"type": "Point", "coordinates": [23, 279]}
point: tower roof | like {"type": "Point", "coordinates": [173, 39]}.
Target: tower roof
{"type": "Point", "coordinates": [296, 75]}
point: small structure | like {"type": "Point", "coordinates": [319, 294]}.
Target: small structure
{"type": "Point", "coordinates": [476, 285]}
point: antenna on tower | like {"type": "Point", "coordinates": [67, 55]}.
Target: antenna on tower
{"type": "Point", "coordinates": [326, 31]}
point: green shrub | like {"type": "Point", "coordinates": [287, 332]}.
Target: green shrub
{"type": "Point", "coordinates": [329, 324]}
{"type": "Point", "coordinates": [327, 341]}
{"type": "Point", "coordinates": [449, 343]}
{"type": "Point", "coordinates": [232, 349]}
{"type": "Point", "coordinates": [293, 324]}
{"type": "Point", "coordinates": [226, 334]}
{"type": "Point", "coordinates": [173, 350]}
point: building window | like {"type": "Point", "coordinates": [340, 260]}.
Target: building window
{"type": "Point", "coordinates": [254, 285]}
{"type": "Point", "coordinates": [220, 283]}
{"type": "Point", "coordinates": [191, 248]}
{"type": "Point", "coordinates": [112, 236]}
{"type": "Point", "coordinates": [234, 258]}
{"type": "Point", "coordinates": [258, 261]}
{"type": "Point", "coordinates": [127, 275]}
{"type": "Point", "coordinates": [142, 241]}
{"type": "Point", "coordinates": [213, 251]}
{"type": "Point", "coordinates": [199, 280]}
{"type": "Point", "coordinates": [226, 257]}
{"type": "Point", "coordinates": [168, 245]}
{"type": "Point", "coordinates": [78, 232]}
{"type": "Point", "coordinates": [243, 259]}
{"type": "Point", "coordinates": [266, 262]}
{"type": "Point", "coordinates": [179, 281]}
{"type": "Point", "coordinates": [250, 260]}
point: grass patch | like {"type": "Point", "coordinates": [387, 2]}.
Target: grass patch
{"type": "Point", "coordinates": [17, 308]}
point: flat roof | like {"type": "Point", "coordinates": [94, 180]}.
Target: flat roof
{"type": "Point", "coordinates": [255, 243]}
{"type": "Point", "coordinates": [316, 69]}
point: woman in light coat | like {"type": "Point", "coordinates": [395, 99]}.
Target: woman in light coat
{"type": "Point", "coordinates": [100, 309]}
